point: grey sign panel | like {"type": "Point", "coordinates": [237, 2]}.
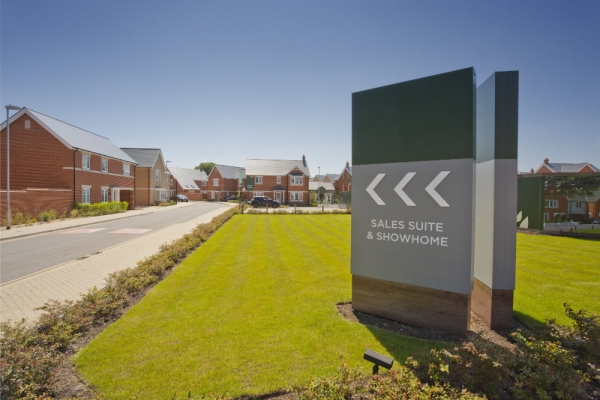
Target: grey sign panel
{"type": "Point", "coordinates": [412, 223]}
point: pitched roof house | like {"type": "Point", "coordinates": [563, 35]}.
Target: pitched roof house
{"type": "Point", "coordinates": [567, 168]}
{"type": "Point", "coordinates": [187, 181]}
{"type": "Point", "coordinates": [343, 182]}
{"type": "Point", "coordinates": [557, 208]}
{"type": "Point", "coordinates": [152, 180]}
{"type": "Point", "coordinates": [54, 165]}
{"type": "Point", "coordinates": [283, 180]}
{"type": "Point", "coordinates": [224, 181]}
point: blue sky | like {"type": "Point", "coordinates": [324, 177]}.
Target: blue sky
{"type": "Point", "coordinates": [224, 81]}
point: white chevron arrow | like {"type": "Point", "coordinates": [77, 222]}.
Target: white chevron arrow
{"type": "Point", "coordinates": [431, 189]}
{"type": "Point", "coordinates": [371, 189]}
{"type": "Point", "coordinates": [400, 186]}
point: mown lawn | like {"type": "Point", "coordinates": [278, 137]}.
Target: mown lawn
{"type": "Point", "coordinates": [253, 310]}
{"type": "Point", "coordinates": [553, 270]}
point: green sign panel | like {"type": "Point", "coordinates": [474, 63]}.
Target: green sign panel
{"type": "Point", "coordinates": [420, 120]}
{"type": "Point", "coordinates": [530, 202]}
{"type": "Point", "coordinates": [249, 183]}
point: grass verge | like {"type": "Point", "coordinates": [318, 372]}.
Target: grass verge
{"type": "Point", "coordinates": [552, 270]}
{"type": "Point", "coordinates": [253, 310]}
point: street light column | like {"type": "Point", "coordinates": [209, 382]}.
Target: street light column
{"type": "Point", "coordinates": [8, 215]}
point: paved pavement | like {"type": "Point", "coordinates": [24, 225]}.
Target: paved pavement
{"type": "Point", "coordinates": [19, 298]}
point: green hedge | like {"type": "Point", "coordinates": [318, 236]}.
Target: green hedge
{"type": "Point", "coordinates": [112, 207]}
{"type": "Point", "coordinates": [32, 354]}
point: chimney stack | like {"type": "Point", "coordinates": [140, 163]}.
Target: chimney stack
{"type": "Point", "coordinates": [546, 161]}
{"type": "Point", "coordinates": [304, 160]}
{"type": "Point", "coordinates": [532, 171]}
{"type": "Point", "coordinates": [347, 164]}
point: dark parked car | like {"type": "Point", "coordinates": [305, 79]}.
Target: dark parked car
{"type": "Point", "coordinates": [180, 198]}
{"type": "Point", "coordinates": [596, 221]}
{"type": "Point", "coordinates": [232, 197]}
{"type": "Point", "coordinates": [258, 201]}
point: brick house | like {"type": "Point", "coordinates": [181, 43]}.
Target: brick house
{"type": "Point", "coordinates": [151, 178]}
{"type": "Point", "coordinates": [343, 182]}
{"type": "Point", "coordinates": [561, 208]}
{"type": "Point", "coordinates": [224, 181]}
{"type": "Point", "coordinates": [54, 165]}
{"type": "Point", "coordinates": [282, 180]}
{"type": "Point", "coordinates": [187, 181]}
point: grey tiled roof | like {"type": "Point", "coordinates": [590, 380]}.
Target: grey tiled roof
{"type": "Point", "coordinates": [146, 158]}
{"type": "Point", "coordinates": [74, 137]}
{"type": "Point", "coordinates": [567, 167]}
{"type": "Point", "coordinates": [256, 167]}
{"type": "Point", "coordinates": [229, 172]}
{"type": "Point", "coordinates": [333, 177]}
{"type": "Point", "coordinates": [186, 177]}
{"type": "Point", "coordinates": [315, 186]}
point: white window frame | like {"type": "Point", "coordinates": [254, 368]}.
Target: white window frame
{"type": "Point", "coordinates": [157, 175]}
{"type": "Point", "coordinates": [203, 183]}
{"type": "Point", "coordinates": [278, 179]}
{"type": "Point", "coordinates": [104, 194]}
{"type": "Point", "coordinates": [86, 194]}
{"type": "Point", "coordinates": [86, 162]}
{"type": "Point", "coordinates": [215, 181]}
{"type": "Point", "coordinates": [297, 180]}
{"type": "Point", "coordinates": [104, 165]}
{"type": "Point", "coordinates": [551, 203]}
{"type": "Point", "coordinates": [258, 180]}
{"type": "Point", "coordinates": [126, 169]}
{"type": "Point", "coordinates": [258, 194]}
{"type": "Point", "coordinates": [157, 195]}
{"type": "Point", "coordinates": [296, 196]}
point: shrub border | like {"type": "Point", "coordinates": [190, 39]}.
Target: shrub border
{"type": "Point", "coordinates": [31, 355]}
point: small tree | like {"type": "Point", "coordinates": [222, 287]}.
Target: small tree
{"type": "Point", "coordinates": [205, 166]}
{"type": "Point", "coordinates": [572, 186]}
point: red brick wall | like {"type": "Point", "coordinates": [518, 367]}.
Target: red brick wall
{"type": "Point", "coordinates": [32, 202]}
{"type": "Point", "coordinates": [40, 164]}
{"type": "Point", "coordinates": [343, 183]}
{"type": "Point", "coordinates": [563, 207]}
{"type": "Point", "coordinates": [36, 158]}
{"type": "Point", "coordinates": [227, 187]}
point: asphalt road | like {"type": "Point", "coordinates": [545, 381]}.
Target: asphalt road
{"type": "Point", "coordinates": [21, 257]}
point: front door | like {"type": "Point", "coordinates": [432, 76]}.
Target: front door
{"type": "Point", "coordinates": [278, 196]}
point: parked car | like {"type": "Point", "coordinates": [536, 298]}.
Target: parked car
{"type": "Point", "coordinates": [180, 198]}
{"type": "Point", "coordinates": [596, 221]}
{"type": "Point", "coordinates": [232, 197]}
{"type": "Point", "coordinates": [258, 201]}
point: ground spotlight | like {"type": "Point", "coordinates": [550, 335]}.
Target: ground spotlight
{"type": "Point", "coordinates": [378, 360]}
